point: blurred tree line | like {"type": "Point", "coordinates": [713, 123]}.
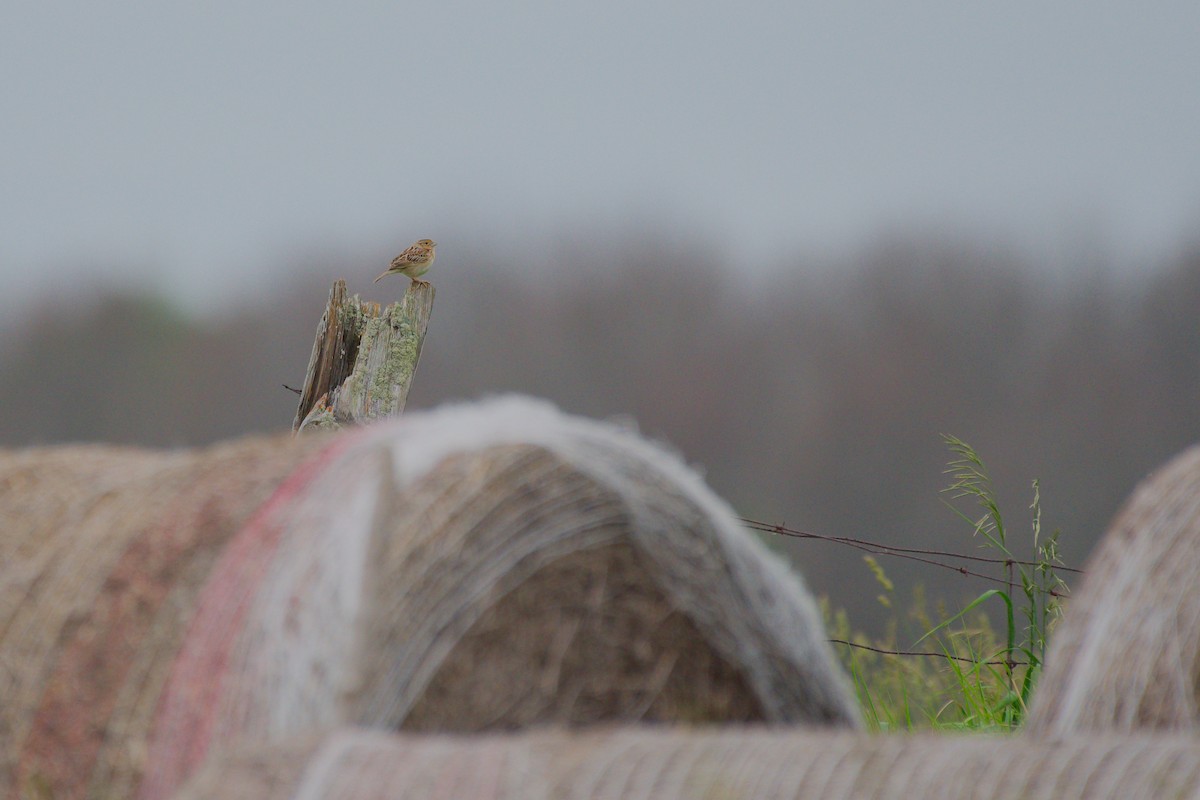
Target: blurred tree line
{"type": "Point", "coordinates": [811, 396]}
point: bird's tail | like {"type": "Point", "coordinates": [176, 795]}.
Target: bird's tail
{"type": "Point", "coordinates": [384, 275]}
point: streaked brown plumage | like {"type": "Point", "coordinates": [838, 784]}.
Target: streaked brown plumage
{"type": "Point", "coordinates": [413, 262]}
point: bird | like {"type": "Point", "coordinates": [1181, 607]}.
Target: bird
{"type": "Point", "coordinates": [413, 262]}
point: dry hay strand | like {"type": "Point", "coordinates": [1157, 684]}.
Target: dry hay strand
{"type": "Point", "coordinates": [1126, 655]}
{"type": "Point", "coordinates": [493, 566]}
{"type": "Point", "coordinates": [103, 551]}
{"type": "Point", "coordinates": [568, 623]}
{"type": "Point", "coordinates": [732, 762]}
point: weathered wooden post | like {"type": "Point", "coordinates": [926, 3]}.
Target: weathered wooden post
{"type": "Point", "coordinates": [363, 359]}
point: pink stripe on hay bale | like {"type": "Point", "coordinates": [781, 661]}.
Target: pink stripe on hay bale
{"type": "Point", "coordinates": [65, 742]}
{"type": "Point", "coordinates": [112, 546]}
{"type": "Point", "coordinates": [184, 724]}
{"type": "Point", "coordinates": [67, 730]}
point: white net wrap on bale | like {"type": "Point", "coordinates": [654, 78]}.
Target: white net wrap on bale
{"type": "Point", "coordinates": [681, 764]}
{"type": "Point", "coordinates": [1126, 655]}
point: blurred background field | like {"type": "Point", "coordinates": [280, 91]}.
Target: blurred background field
{"type": "Point", "coordinates": [815, 401]}
{"type": "Point", "coordinates": [796, 242]}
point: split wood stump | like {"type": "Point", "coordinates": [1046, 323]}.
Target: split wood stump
{"type": "Point", "coordinates": [363, 359]}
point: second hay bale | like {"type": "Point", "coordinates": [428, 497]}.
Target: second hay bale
{"type": "Point", "coordinates": [1126, 655]}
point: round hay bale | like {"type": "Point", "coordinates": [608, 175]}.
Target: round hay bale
{"type": "Point", "coordinates": [481, 567]}
{"type": "Point", "coordinates": [1126, 655]}
{"type": "Point", "coordinates": [491, 566]}
{"type": "Point", "coordinates": [730, 762]}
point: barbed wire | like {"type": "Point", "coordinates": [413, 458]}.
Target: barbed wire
{"type": "Point", "coordinates": [965, 659]}
{"type": "Point", "coordinates": [919, 554]}
{"type": "Point", "coordinates": [924, 556]}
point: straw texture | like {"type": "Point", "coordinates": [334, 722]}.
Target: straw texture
{"type": "Point", "coordinates": [1126, 656]}
{"type": "Point", "coordinates": [638, 763]}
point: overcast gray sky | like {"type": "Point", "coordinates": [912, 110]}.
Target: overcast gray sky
{"type": "Point", "coordinates": [199, 145]}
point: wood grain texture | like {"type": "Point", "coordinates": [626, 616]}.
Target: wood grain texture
{"type": "Point", "coordinates": [363, 359]}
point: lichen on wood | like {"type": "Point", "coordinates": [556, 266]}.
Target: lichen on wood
{"type": "Point", "coordinates": [363, 358]}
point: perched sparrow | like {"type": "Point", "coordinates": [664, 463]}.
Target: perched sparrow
{"type": "Point", "coordinates": [413, 262]}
